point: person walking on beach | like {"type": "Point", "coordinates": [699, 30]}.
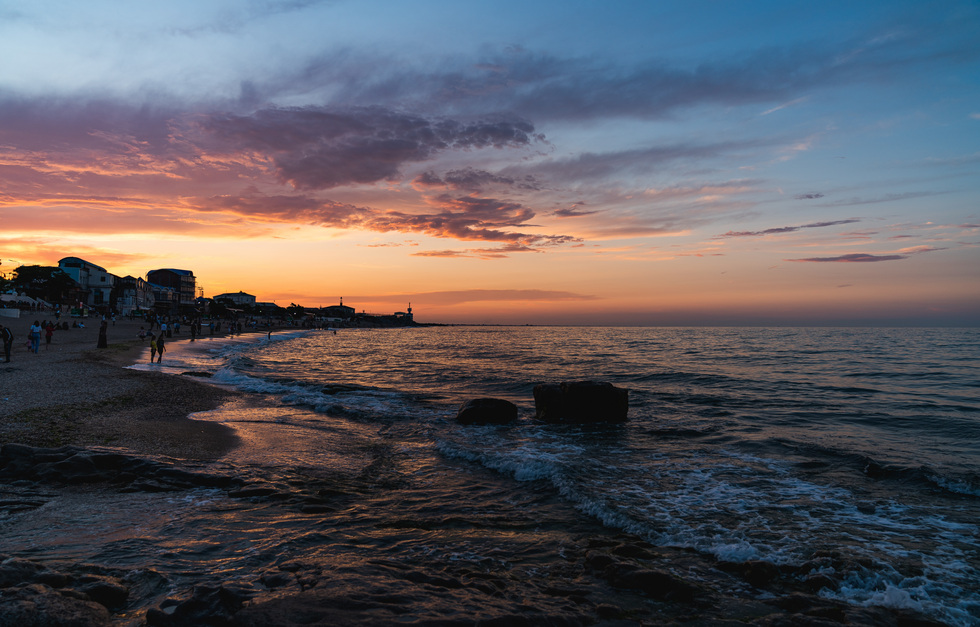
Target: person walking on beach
{"type": "Point", "coordinates": [153, 347]}
{"type": "Point", "coordinates": [103, 335]}
{"type": "Point", "coordinates": [160, 348]}
{"type": "Point", "coordinates": [35, 336]}
{"type": "Point", "coordinates": [8, 341]}
{"type": "Point", "coordinates": [48, 332]}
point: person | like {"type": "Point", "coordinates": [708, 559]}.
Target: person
{"type": "Point", "coordinates": [8, 341]}
{"type": "Point", "coordinates": [48, 332]}
{"type": "Point", "coordinates": [153, 346]}
{"type": "Point", "coordinates": [103, 335]}
{"type": "Point", "coordinates": [35, 336]}
{"type": "Point", "coordinates": [142, 334]}
{"type": "Point", "coordinates": [160, 348]}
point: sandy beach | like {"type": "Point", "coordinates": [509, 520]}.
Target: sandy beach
{"type": "Point", "coordinates": [71, 392]}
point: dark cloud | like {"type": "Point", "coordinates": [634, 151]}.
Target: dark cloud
{"type": "Point", "coordinates": [573, 211]}
{"type": "Point", "coordinates": [548, 87]}
{"type": "Point", "coordinates": [468, 218]}
{"type": "Point", "coordinates": [809, 196]}
{"type": "Point", "coordinates": [254, 204]}
{"type": "Point", "coordinates": [471, 180]}
{"type": "Point", "coordinates": [786, 229]}
{"type": "Point", "coordinates": [323, 148]}
{"type": "Point", "coordinates": [852, 258]}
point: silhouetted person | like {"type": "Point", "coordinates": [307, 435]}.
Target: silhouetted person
{"type": "Point", "coordinates": [8, 341]}
{"type": "Point", "coordinates": [103, 335]}
{"type": "Point", "coordinates": [160, 348]}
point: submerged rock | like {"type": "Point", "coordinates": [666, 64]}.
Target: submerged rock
{"type": "Point", "coordinates": [486, 411]}
{"type": "Point", "coordinates": [581, 402]}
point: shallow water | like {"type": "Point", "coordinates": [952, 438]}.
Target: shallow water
{"type": "Point", "coordinates": [784, 445]}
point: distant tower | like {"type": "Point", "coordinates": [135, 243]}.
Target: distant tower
{"type": "Point", "coordinates": [409, 314]}
{"type": "Point", "coordinates": [341, 301]}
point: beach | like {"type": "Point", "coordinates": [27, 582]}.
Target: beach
{"type": "Point", "coordinates": [71, 393]}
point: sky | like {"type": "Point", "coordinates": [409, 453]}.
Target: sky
{"type": "Point", "coordinates": [620, 163]}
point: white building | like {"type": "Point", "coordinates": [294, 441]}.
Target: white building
{"type": "Point", "coordinates": [239, 298]}
{"type": "Point", "coordinates": [96, 280]}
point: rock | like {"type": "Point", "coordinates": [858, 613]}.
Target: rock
{"type": "Point", "coordinates": [111, 594]}
{"type": "Point", "coordinates": [486, 411]}
{"type": "Point", "coordinates": [580, 402]}
{"type": "Point", "coordinates": [38, 605]}
{"type": "Point", "coordinates": [15, 571]}
{"type": "Point", "coordinates": [207, 605]}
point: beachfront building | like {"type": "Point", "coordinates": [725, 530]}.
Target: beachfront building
{"type": "Point", "coordinates": [180, 283]}
{"type": "Point", "coordinates": [239, 298]}
{"type": "Point", "coordinates": [337, 312]}
{"type": "Point", "coordinates": [95, 281]}
{"type": "Point", "coordinates": [133, 295]}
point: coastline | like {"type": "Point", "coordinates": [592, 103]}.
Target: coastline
{"type": "Point", "coordinates": [72, 393]}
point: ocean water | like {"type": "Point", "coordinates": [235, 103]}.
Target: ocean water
{"type": "Point", "coordinates": [856, 451]}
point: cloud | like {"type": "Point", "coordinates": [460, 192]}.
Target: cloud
{"type": "Point", "coordinates": [470, 180]}
{"type": "Point", "coordinates": [786, 229]}
{"type": "Point", "coordinates": [852, 258]}
{"type": "Point", "coordinates": [809, 196]}
{"type": "Point", "coordinates": [573, 211]}
{"type": "Point", "coordinates": [324, 147]}
{"type": "Point", "coordinates": [589, 166]}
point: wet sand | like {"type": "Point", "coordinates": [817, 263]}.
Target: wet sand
{"type": "Point", "coordinates": [72, 393]}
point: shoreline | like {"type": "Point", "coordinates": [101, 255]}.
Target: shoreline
{"type": "Point", "coordinates": [72, 393]}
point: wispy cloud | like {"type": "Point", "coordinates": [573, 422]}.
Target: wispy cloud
{"type": "Point", "coordinates": [786, 229]}
{"type": "Point", "coordinates": [852, 258]}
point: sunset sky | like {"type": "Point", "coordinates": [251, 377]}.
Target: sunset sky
{"type": "Point", "coordinates": [661, 163]}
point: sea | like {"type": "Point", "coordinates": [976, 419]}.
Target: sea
{"type": "Point", "coordinates": [856, 450]}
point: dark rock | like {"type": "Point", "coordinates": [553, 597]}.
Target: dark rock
{"type": "Point", "coordinates": [37, 605]}
{"type": "Point", "coordinates": [105, 592]}
{"type": "Point", "coordinates": [207, 605]}
{"type": "Point", "coordinates": [581, 402]}
{"type": "Point", "coordinates": [486, 411]}
{"type": "Point", "coordinates": [14, 571]}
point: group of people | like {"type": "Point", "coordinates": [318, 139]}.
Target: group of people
{"type": "Point", "coordinates": [158, 345]}
{"type": "Point", "coordinates": [33, 337]}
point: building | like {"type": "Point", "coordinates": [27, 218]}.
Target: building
{"type": "Point", "coordinates": [133, 295]}
{"type": "Point", "coordinates": [95, 281]}
{"type": "Point", "coordinates": [239, 298]}
{"type": "Point", "coordinates": [337, 313]}
{"type": "Point", "coordinates": [181, 284]}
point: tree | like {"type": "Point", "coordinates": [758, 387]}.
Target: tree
{"type": "Point", "coordinates": [49, 283]}
{"type": "Point", "coordinates": [296, 311]}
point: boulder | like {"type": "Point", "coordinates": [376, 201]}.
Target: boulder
{"type": "Point", "coordinates": [580, 402]}
{"type": "Point", "coordinates": [484, 411]}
